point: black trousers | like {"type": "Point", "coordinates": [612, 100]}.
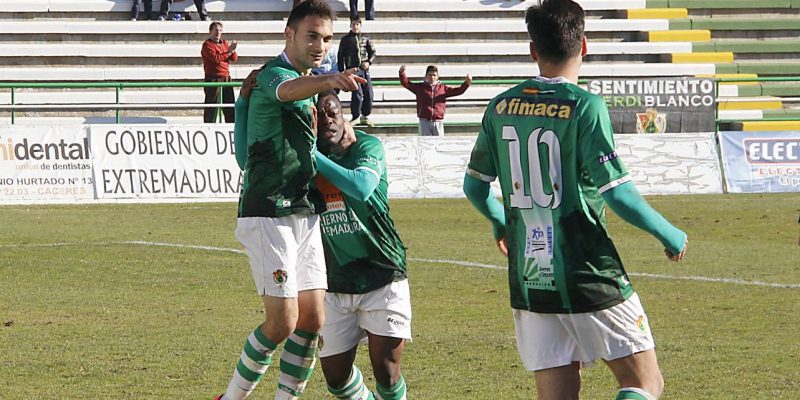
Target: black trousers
{"type": "Point", "coordinates": [361, 99]}
{"type": "Point", "coordinates": [212, 96]}
{"type": "Point", "coordinates": [368, 4]}
{"type": "Point", "coordinates": [137, 8]}
{"type": "Point", "coordinates": [199, 4]}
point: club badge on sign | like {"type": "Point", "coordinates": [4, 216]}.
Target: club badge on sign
{"type": "Point", "coordinates": [651, 121]}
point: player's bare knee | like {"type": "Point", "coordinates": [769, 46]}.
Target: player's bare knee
{"type": "Point", "coordinates": [311, 321]}
{"type": "Point", "coordinates": [278, 329]}
{"type": "Point", "coordinates": [388, 374]}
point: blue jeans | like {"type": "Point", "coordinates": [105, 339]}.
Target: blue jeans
{"type": "Point", "coordinates": [361, 99]}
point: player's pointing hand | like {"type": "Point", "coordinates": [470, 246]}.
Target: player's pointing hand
{"type": "Point", "coordinates": [346, 80]}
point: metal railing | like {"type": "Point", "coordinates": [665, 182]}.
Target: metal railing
{"type": "Point", "coordinates": [117, 106]}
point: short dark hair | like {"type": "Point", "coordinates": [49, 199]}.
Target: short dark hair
{"type": "Point", "coordinates": [327, 93]}
{"type": "Point", "coordinates": [355, 19]}
{"type": "Point", "coordinates": [211, 27]}
{"type": "Point", "coordinates": [556, 28]}
{"type": "Point", "coordinates": [431, 68]}
{"type": "Point", "coordinates": [316, 8]}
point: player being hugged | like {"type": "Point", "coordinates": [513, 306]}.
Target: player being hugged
{"type": "Point", "coordinates": [368, 294]}
{"type": "Point", "coordinates": [550, 144]}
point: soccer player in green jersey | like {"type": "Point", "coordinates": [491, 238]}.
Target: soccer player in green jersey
{"type": "Point", "coordinates": [550, 144]}
{"type": "Point", "coordinates": [368, 294]}
{"type": "Point", "coordinates": [278, 222]}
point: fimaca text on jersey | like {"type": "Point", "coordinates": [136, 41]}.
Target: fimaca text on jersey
{"type": "Point", "coordinates": [550, 108]}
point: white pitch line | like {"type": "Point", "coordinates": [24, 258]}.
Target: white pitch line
{"type": "Point", "coordinates": [434, 261]}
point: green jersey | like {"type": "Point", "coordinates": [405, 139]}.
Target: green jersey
{"type": "Point", "coordinates": [550, 143]}
{"type": "Point", "coordinates": [280, 142]}
{"type": "Point", "coordinates": [363, 251]}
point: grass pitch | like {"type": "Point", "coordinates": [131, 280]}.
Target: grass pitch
{"type": "Point", "coordinates": [85, 315]}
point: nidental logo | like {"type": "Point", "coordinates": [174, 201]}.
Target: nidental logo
{"type": "Point", "coordinates": [28, 150]}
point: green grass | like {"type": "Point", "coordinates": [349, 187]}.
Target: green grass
{"type": "Point", "coordinates": [96, 319]}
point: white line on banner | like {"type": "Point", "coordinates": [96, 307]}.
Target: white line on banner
{"type": "Point", "coordinates": [425, 260]}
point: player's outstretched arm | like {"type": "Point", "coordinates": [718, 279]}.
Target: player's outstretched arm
{"type": "Point", "coordinates": [626, 201]}
{"type": "Point", "coordinates": [306, 86]}
{"type": "Point", "coordinates": [479, 193]}
{"type": "Point", "coordinates": [357, 183]}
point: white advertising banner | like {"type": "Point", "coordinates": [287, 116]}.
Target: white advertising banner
{"type": "Point", "coordinates": [429, 167]}
{"type": "Point", "coordinates": [672, 163]}
{"type": "Point", "coordinates": [45, 164]}
{"type": "Point", "coordinates": [165, 162]}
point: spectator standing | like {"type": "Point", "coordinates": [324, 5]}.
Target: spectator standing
{"type": "Point", "coordinates": [432, 99]}
{"type": "Point", "coordinates": [369, 9]}
{"type": "Point", "coordinates": [356, 51]}
{"type": "Point", "coordinates": [217, 55]}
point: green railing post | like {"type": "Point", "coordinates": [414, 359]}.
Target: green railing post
{"type": "Point", "coordinates": [716, 107]}
{"type": "Point", "coordinates": [116, 114]}
{"type": "Point", "coordinates": [13, 102]}
{"type": "Point", "coordinates": [218, 113]}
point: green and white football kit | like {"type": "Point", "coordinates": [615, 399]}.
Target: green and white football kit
{"type": "Point", "coordinates": [278, 223]}
{"type": "Point", "coordinates": [366, 259]}
{"type": "Point", "coordinates": [550, 143]}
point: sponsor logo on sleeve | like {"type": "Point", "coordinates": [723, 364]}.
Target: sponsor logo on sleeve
{"type": "Point", "coordinates": [607, 157]}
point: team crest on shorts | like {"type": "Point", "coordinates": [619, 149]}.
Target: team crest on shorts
{"type": "Point", "coordinates": [641, 324]}
{"type": "Point", "coordinates": [280, 276]}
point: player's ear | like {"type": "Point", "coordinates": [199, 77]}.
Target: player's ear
{"type": "Point", "coordinates": [288, 33]}
{"type": "Point", "coordinates": [583, 47]}
{"type": "Point", "coordinates": [534, 55]}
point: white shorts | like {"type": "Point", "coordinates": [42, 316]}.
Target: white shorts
{"type": "Point", "coordinates": [285, 253]}
{"type": "Point", "coordinates": [385, 311]}
{"type": "Point", "coordinates": [555, 340]}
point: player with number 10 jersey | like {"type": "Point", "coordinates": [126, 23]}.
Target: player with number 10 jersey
{"type": "Point", "coordinates": [550, 143]}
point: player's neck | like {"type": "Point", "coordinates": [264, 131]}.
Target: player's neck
{"type": "Point", "coordinates": [569, 69]}
{"type": "Point", "coordinates": [288, 58]}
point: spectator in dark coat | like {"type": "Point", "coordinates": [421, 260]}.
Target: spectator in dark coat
{"type": "Point", "coordinates": [357, 51]}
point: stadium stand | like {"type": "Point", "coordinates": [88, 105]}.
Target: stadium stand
{"type": "Point", "coordinates": [90, 40]}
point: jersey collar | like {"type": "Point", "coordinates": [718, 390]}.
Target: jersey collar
{"type": "Point", "coordinates": [558, 79]}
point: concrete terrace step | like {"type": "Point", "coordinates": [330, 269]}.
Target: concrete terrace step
{"type": "Point", "coordinates": [762, 68]}
{"type": "Point", "coordinates": [448, 71]}
{"type": "Point", "coordinates": [471, 25]}
{"type": "Point", "coordinates": [737, 24]}
{"type": "Point", "coordinates": [285, 6]}
{"type": "Point", "coordinates": [266, 51]}
{"type": "Point", "coordinates": [713, 4]}
{"type": "Point", "coordinates": [750, 46]}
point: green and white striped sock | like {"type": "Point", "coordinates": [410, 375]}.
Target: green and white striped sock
{"type": "Point", "coordinates": [396, 392]}
{"type": "Point", "coordinates": [254, 361]}
{"type": "Point", "coordinates": [632, 393]}
{"type": "Point", "coordinates": [297, 362]}
{"type": "Point", "coordinates": [354, 389]}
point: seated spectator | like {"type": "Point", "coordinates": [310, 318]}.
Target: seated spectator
{"type": "Point", "coordinates": [199, 4]}
{"type": "Point", "coordinates": [432, 99]}
{"type": "Point", "coordinates": [329, 64]}
{"type": "Point", "coordinates": [137, 8]}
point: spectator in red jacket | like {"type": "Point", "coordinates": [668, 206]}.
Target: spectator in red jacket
{"type": "Point", "coordinates": [217, 55]}
{"type": "Point", "coordinates": [432, 99]}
